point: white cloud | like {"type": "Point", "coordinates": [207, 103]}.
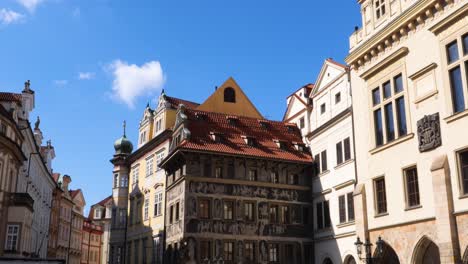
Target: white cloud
{"type": "Point", "coordinates": [60, 83]}
{"type": "Point", "coordinates": [8, 16]}
{"type": "Point", "coordinates": [131, 81]}
{"type": "Point", "coordinates": [30, 5]}
{"type": "Point", "coordinates": [86, 75]}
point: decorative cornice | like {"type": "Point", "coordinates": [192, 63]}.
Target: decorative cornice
{"type": "Point", "coordinates": [448, 21]}
{"type": "Point", "coordinates": [392, 33]}
{"type": "Point", "coordinates": [401, 52]}
{"type": "Point", "coordinates": [423, 71]}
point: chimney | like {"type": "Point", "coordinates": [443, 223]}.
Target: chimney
{"type": "Point", "coordinates": [65, 182]}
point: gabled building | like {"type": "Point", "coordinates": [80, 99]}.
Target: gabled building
{"type": "Point", "coordinates": [299, 108]}
{"type": "Point", "coordinates": [76, 233]}
{"type": "Point", "coordinates": [91, 244]}
{"type": "Point", "coordinates": [101, 214]}
{"type": "Point", "coordinates": [238, 186]}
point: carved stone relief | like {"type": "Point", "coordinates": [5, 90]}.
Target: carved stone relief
{"type": "Point", "coordinates": [429, 132]}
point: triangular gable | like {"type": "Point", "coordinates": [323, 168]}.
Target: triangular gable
{"type": "Point", "coordinates": [329, 72]}
{"type": "Point", "coordinates": [295, 99]}
{"type": "Point", "coordinates": [78, 198]}
{"type": "Point", "coordinates": [241, 107]}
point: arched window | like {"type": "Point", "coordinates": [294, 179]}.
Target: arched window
{"type": "Point", "coordinates": [229, 95]}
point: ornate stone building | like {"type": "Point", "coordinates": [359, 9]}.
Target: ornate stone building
{"type": "Point", "coordinates": [91, 243]}
{"type": "Point", "coordinates": [238, 186]}
{"type": "Point", "coordinates": [410, 97]}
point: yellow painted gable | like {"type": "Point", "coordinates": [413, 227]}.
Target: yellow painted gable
{"type": "Point", "coordinates": [241, 107]}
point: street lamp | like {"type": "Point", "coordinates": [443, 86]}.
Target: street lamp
{"type": "Point", "coordinates": [368, 249]}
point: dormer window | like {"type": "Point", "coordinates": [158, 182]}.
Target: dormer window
{"type": "Point", "coordinates": [379, 6]}
{"type": "Point", "coordinates": [249, 141]}
{"type": "Point", "coordinates": [280, 143]}
{"type": "Point", "coordinates": [232, 120]}
{"type": "Point", "coordinates": [97, 213]}
{"type": "Point", "coordinates": [299, 146]}
{"type": "Point", "coordinates": [263, 124]}
{"type": "Point", "coordinates": [216, 137]}
{"type": "Point", "coordinates": [323, 108]}
{"type": "Point", "coordinates": [290, 127]}
{"type": "Point", "coordinates": [200, 116]}
{"type": "Point", "coordinates": [229, 95]}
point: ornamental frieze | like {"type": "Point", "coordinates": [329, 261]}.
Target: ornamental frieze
{"type": "Point", "coordinates": [429, 132]}
{"type": "Point", "coordinates": [245, 191]}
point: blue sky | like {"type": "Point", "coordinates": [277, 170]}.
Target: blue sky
{"type": "Point", "coordinates": [94, 63]}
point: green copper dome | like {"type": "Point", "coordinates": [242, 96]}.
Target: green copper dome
{"type": "Point", "coordinates": [123, 146]}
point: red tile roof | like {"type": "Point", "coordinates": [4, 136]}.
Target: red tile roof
{"type": "Point", "coordinates": [101, 203]}
{"type": "Point", "coordinates": [73, 193]}
{"type": "Point", "coordinates": [232, 137]}
{"type": "Point", "coordinates": [175, 102]}
{"type": "Point", "coordinates": [10, 97]}
{"type": "Point", "coordinates": [308, 87]}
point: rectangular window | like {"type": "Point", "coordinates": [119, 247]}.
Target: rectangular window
{"type": "Point", "coordinates": [379, 8]}
{"type": "Point", "coordinates": [159, 158]}
{"type": "Point", "coordinates": [249, 252]}
{"type": "Point", "coordinates": [412, 187]}
{"type": "Point", "coordinates": [274, 177]}
{"type": "Point", "coordinates": [219, 172]}
{"type": "Point", "coordinates": [378, 127]}
{"type": "Point", "coordinates": [456, 85]}
{"type": "Point", "coordinates": [158, 204]}
{"type": "Point", "coordinates": [231, 171]}
{"type": "Point", "coordinates": [12, 238]}
{"type": "Point", "coordinates": [342, 208]}
{"type": "Point", "coordinates": [205, 250]}
{"type": "Point", "coordinates": [207, 168]}
{"type": "Point", "coordinates": [398, 84]}
{"type": "Point", "coordinates": [319, 209]}
{"type": "Point", "coordinates": [317, 164]}
{"type": "Point", "coordinates": [177, 211]}
{"type": "Point", "coordinates": [294, 179]}
{"type": "Point", "coordinates": [249, 209]}
{"type": "Point", "coordinates": [146, 206]}
{"type": "Point", "coordinates": [228, 210]}
{"type": "Point", "coordinates": [463, 160]}
{"type": "Point", "coordinates": [339, 153]}
{"type": "Point", "coordinates": [171, 214]}
{"type": "Point", "coordinates": [452, 52]}
{"type": "Point", "coordinates": [273, 253]}
{"type": "Point", "coordinates": [324, 160]}
{"type": "Point", "coordinates": [301, 123]}
{"type": "Point", "coordinates": [337, 98]}
{"type": "Point", "coordinates": [376, 96]}
{"type": "Point", "coordinates": [390, 129]}
{"type": "Point", "coordinates": [326, 213]}
{"type": "Point", "coordinates": [204, 208]}
{"type": "Point", "coordinates": [228, 251]}
{"type": "Point", "coordinates": [401, 116]}
{"type": "Point", "coordinates": [323, 108]}
{"type": "Point", "coordinates": [347, 149]}
{"type": "Point", "coordinates": [284, 214]}
{"type": "Point", "coordinates": [387, 90]}
{"type": "Point", "coordinates": [252, 175]}
{"type": "Point", "coordinates": [135, 173]}
{"type": "Point", "coordinates": [350, 206]}
{"type": "Point", "coordinates": [149, 166]}
{"type": "Point", "coordinates": [273, 213]}
{"type": "Point", "coordinates": [380, 196]}
{"type": "Point", "coordinates": [465, 44]}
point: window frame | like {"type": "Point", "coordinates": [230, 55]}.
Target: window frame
{"type": "Point", "coordinates": [377, 212]}
{"type": "Point", "coordinates": [381, 105]}
{"type": "Point", "coordinates": [253, 217]}
{"type": "Point", "coordinates": [462, 192]}
{"type": "Point", "coordinates": [233, 208]}
{"type": "Point", "coordinates": [200, 201]}
{"type": "Point", "coordinates": [405, 182]}
{"type": "Point", "coordinates": [462, 63]}
{"type": "Point", "coordinates": [16, 236]}
{"type": "Point", "coordinates": [381, 7]}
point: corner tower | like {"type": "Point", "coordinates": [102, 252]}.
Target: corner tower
{"type": "Point", "coordinates": [123, 148]}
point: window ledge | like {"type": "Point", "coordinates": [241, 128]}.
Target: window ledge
{"type": "Point", "coordinates": [425, 96]}
{"type": "Point", "coordinates": [463, 196]}
{"type": "Point", "coordinates": [323, 230]}
{"type": "Point", "coordinates": [413, 207]}
{"type": "Point", "coordinates": [380, 215]}
{"type": "Point", "coordinates": [345, 224]}
{"type": "Point", "coordinates": [323, 173]}
{"type": "Point", "coordinates": [344, 163]}
{"type": "Point", "coordinates": [454, 117]}
{"type": "Point", "coordinates": [391, 144]}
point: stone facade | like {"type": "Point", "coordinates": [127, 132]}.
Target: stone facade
{"type": "Point", "coordinates": [409, 117]}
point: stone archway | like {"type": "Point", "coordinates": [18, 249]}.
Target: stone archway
{"type": "Point", "coordinates": [349, 260]}
{"type": "Point", "coordinates": [426, 252]}
{"type": "Point", "coordinates": [388, 255]}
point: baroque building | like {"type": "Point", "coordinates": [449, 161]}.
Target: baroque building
{"type": "Point", "coordinates": [32, 185]}
{"type": "Point", "coordinates": [325, 115]}
{"type": "Point", "coordinates": [238, 186]}
{"type": "Point", "coordinates": [410, 97]}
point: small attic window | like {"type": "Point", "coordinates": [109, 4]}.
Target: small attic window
{"type": "Point", "coordinates": [249, 141]}
{"type": "Point", "coordinates": [216, 137]}
{"type": "Point", "coordinates": [299, 146]}
{"type": "Point", "coordinates": [229, 95]}
{"type": "Point", "coordinates": [263, 124]}
{"type": "Point", "coordinates": [290, 127]}
{"type": "Point", "coordinates": [232, 120]}
{"type": "Point", "coordinates": [280, 143]}
{"type": "Point", "coordinates": [200, 116]}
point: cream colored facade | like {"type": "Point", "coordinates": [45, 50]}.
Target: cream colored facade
{"type": "Point", "coordinates": [411, 189]}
